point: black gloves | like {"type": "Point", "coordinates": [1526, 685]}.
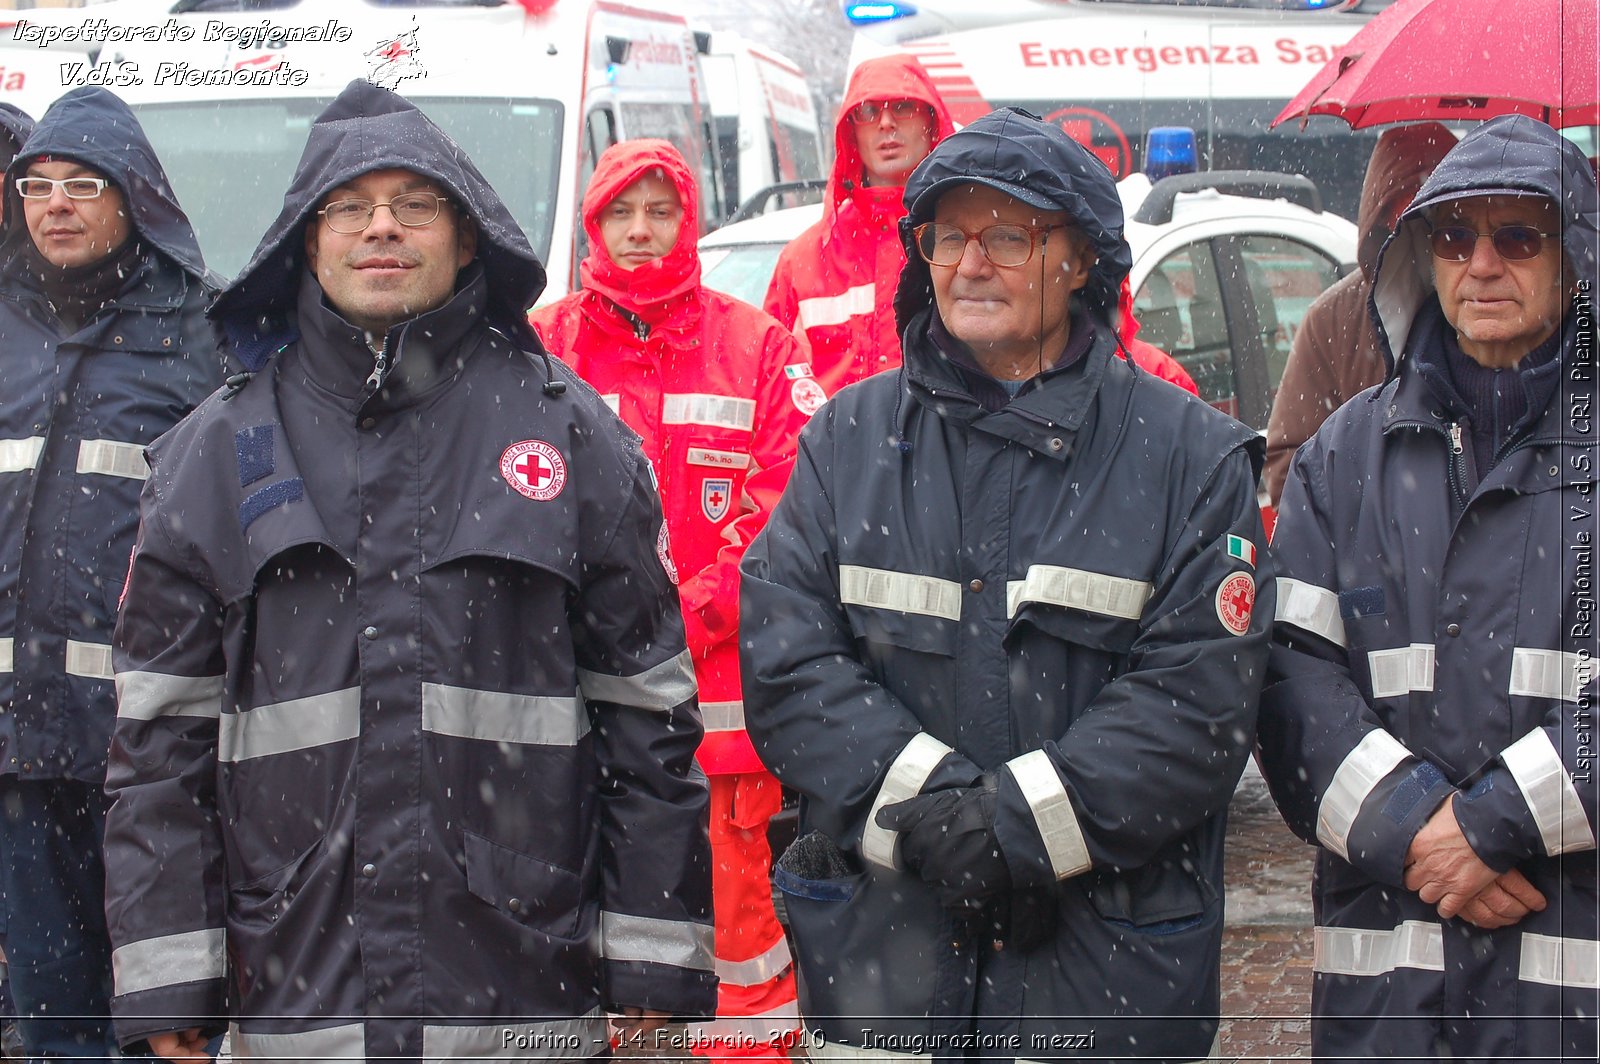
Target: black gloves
{"type": "Point", "coordinates": [947, 837]}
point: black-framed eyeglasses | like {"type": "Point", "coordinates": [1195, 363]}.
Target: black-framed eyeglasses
{"type": "Point", "coordinates": [410, 209]}
{"type": "Point", "coordinates": [74, 187]}
{"type": "Point", "coordinates": [1004, 244]}
{"type": "Point", "coordinates": [869, 111]}
{"type": "Point", "coordinates": [1514, 243]}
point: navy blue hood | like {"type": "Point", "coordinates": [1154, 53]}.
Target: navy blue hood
{"type": "Point", "coordinates": [1513, 155]}
{"type": "Point", "coordinates": [17, 124]}
{"type": "Point", "coordinates": [1036, 162]}
{"type": "Point", "coordinates": [370, 128]}
{"type": "Point", "coordinates": [92, 126]}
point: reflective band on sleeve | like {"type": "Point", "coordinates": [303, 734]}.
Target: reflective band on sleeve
{"type": "Point", "coordinates": [758, 969]}
{"type": "Point", "coordinates": [498, 717]}
{"type": "Point", "coordinates": [661, 687]}
{"type": "Point", "coordinates": [21, 456]}
{"type": "Point", "coordinates": [722, 716]}
{"type": "Point", "coordinates": [717, 459]}
{"type": "Point", "coordinates": [1052, 812]}
{"type": "Point", "coordinates": [835, 310]}
{"type": "Point", "coordinates": [1549, 673]}
{"type": "Point", "coordinates": [1078, 589]}
{"type": "Point", "coordinates": [652, 941]}
{"type": "Point", "coordinates": [113, 459]}
{"type": "Point", "coordinates": [1573, 962]}
{"type": "Point", "coordinates": [1373, 758]}
{"type": "Point", "coordinates": [1553, 802]}
{"type": "Point", "coordinates": [1312, 608]}
{"type": "Point", "coordinates": [91, 660]}
{"type": "Point", "coordinates": [1352, 951]}
{"type": "Point", "coordinates": [905, 592]}
{"type": "Point", "coordinates": [167, 961]}
{"type": "Point", "coordinates": [148, 695]}
{"type": "Point", "coordinates": [613, 400]}
{"type": "Point", "coordinates": [582, 1038]}
{"type": "Point", "coordinates": [764, 1028]}
{"type": "Point", "coordinates": [283, 727]}
{"type": "Point", "coordinates": [343, 1043]}
{"type": "Point", "coordinates": [7, 652]}
{"type": "Point", "coordinates": [720, 411]}
{"type": "Point", "coordinates": [1402, 670]}
{"type": "Point", "coordinates": [908, 772]}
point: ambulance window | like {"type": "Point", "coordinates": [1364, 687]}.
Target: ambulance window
{"type": "Point", "coordinates": [1179, 307]}
{"type": "Point", "coordinates": [601, 133]}
{"type": "Point", "coordinates": [1283, 276]}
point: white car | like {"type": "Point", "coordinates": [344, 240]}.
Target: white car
{"type": "Point", "coordinates": [1221, 281]}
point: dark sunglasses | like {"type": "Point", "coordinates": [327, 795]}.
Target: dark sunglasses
{"type": "Point", "coordinates": [1456, 243]}
{"type": "Point", "coordinates": [870, 111]}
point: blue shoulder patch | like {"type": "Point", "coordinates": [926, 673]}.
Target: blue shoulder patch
{"type": "Point", "coordinates": [1361, 602]}
{"type": "Point", "coordinates": [268, 498]}
{"type": "Point", "coordinates": [254, 447]}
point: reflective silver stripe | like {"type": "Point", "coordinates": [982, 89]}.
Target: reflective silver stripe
{"type": "Point", "coordinates": [1351, 951]}
{"type": "Point", "coordinates": [345, 1043]}
{"type": "Point", "coordinates": [7, 655]}
{"type": "Point", "coordinates": [662, 687]}
{"type": "Point", "coordinates": [582, 1038]}
{"type": "Point", "coordinates": [113, 459]}
{"type": "Point", "coordinates": [1401, 671]}
{"type": "Point", "coordinates": [168, 961]}
{"type": "Point", "coordinates": [613, 400]}
{"type": "Point", "coordinates": [21, 456]}
{"type": "Point", "coordinates": [722, 716]}
{"type": "Point", "coordinates": [645, 938]}
{"type": "Point", "coordinates": [905, 592]}
{"type": "Point", "coordinates": [1078, 589]}
{"type": "Point", "coordinates": [498, 717]}
{"type": "Point", "coordinates": [92, 660]}
{"type": "Point", "coordinates": [756, 970]}
{"type": "Point", "coordinates": [835, 310]}
{"type": "Point", "coordinates": [1535, 764]}
{"type": "Point", "coordinates": [819, 1049]}
{"type": "Point", "coordinates": [1052, 813]}
{"type": "Point", "coordinates": [908, 772]}
{"type": "Point", "coordinates": [763, 1028]}
{"type": "Point", "coordinates": [1573, 962]}
{"type": "Point", "coordinates": [282, 727]}
{"type": "Point", "coordinates": [720, 459]}
{"type": "Point", "coordinates": [148, 695]}
{"type": "Point", "coordinates": [1549, 673]}
{"type": "Point", "coordinates": [722, 411]}
{"type": "Point", "coordinates": [1374, 757]}
{"type": "Point", "coordinates": [1312, 608]}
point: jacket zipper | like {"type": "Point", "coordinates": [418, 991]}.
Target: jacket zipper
{"type": "Point", "coordinates": [1458, 480]}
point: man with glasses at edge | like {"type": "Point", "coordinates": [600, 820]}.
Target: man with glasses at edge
{"type": "Point", "coordinates": [1428, 719]}
{"type": "Point", "coordinates": [102, 301]}
{"type": "Point", "coordinates": [1001, 635]}
{"type": "Point", "coordinates": [406, 722]}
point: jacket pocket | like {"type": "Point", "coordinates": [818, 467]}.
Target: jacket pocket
{"type": "Point", "coordinates": [1112, 635]}
{"type": "Point", "coordinates": [1161, 898]}
{"type": "Point", "coordinates": [263, 899]}
{"type": "Point", "coordinates": [528, 890]}
{"type": "Point", "coordinates": [907, 631]}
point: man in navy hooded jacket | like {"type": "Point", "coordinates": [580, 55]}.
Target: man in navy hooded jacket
{"type": "Point", "coordinates": [1429, 719]}
{"type": "Point", "coordinates": [105, 347]}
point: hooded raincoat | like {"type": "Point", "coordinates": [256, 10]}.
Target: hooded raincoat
{"type": "Point", "coordinates": [403, 764]}
{"type": "Point", "coordinates": [1052, 592]}
{"type": "Point", "coordinates": [834, 282]}
{"type": "Point", "coordinates": [719, 392]}
{"type": "Point", "coordinates": [1435, 642]}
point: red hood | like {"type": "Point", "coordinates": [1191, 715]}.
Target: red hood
{"type": "Point", "coordinates": [889, 77]}
{"type": "Point", "coordinates": [649, 289]}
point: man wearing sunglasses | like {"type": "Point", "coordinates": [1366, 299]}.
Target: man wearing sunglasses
{"type": "Point", "coordinates": [404, 758]}
{"type": "Point", "coordinates": [834, 282]}
{"type": "Point", "coordinates": [102, 302]}
{"type": "Point", "coordinates": [1001, 634]}
{"type": "Point", "coordinates": [1428, 719]}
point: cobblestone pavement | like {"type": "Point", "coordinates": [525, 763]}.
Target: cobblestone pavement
{"type": "Point", "coordinates": [1266, 947]}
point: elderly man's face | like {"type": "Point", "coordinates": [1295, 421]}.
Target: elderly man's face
{"type": "Point", "coordinates": [75, 232]}
{"type": "Point", "coordinates": [389, 272]}
{"type": "Point", "coordinates": [1501, 308]}
{"type": "Point", "coordinates": [1012, 317]}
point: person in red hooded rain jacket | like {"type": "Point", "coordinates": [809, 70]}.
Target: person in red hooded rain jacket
{"type": "Point", "coordinates": [834, 283]}
{"type": "Point", "coordinates": [719, 392]}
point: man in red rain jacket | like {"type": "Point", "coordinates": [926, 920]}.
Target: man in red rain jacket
{"type": "Point", "coordinates": [834, 283]}
{"type": "Point", "coordinates": [719, 392]}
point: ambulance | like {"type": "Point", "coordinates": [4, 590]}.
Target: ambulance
{"type": "Point", "coordinates": [1110, 71]}
{"type": "Point", "coordinates": [532, 91]}
{"type": "Point", "coordinates": [766, 119]}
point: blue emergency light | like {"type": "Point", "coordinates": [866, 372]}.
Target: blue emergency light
{"type": "Point", "coordinates": [1170, 150]}
{"type": "Point", "coordinates": [865, 14]}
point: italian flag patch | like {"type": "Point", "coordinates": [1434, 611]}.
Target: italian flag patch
{"type": "Point", "coordinates": [1242, 549]}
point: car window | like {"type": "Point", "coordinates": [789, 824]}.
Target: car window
{"type": "Point", "coordinates": [1284, 277]}
{"type": "Point", "coordinates": [1179, 307]}
{"type": "Point", "coordinates": [742, 271]}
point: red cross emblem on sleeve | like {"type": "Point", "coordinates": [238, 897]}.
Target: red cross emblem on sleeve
{"type": "Point", "coordinates": [1236, 600]}
{"type": "Point", "coordinates": [535, 469]}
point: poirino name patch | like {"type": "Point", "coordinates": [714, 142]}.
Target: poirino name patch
{"type": "Point", "coordinates": [535, 469]}
{"type": "Point", "coordinates": [1236, 599]}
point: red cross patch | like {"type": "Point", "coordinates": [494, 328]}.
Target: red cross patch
{"type": "Point", "coordinates": [807, 396]}
{"type": "Point", "coordinates": [535, 469]}
{"type": "Point", "coordinates": [714, 495]}
{"type": "Point", "coordinates": [1236, 599]}
{"type": "Point", "coordinates": [664, 552]}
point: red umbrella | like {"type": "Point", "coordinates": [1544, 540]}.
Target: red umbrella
{"type": "Point", "coordinates": [1462, 60]}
